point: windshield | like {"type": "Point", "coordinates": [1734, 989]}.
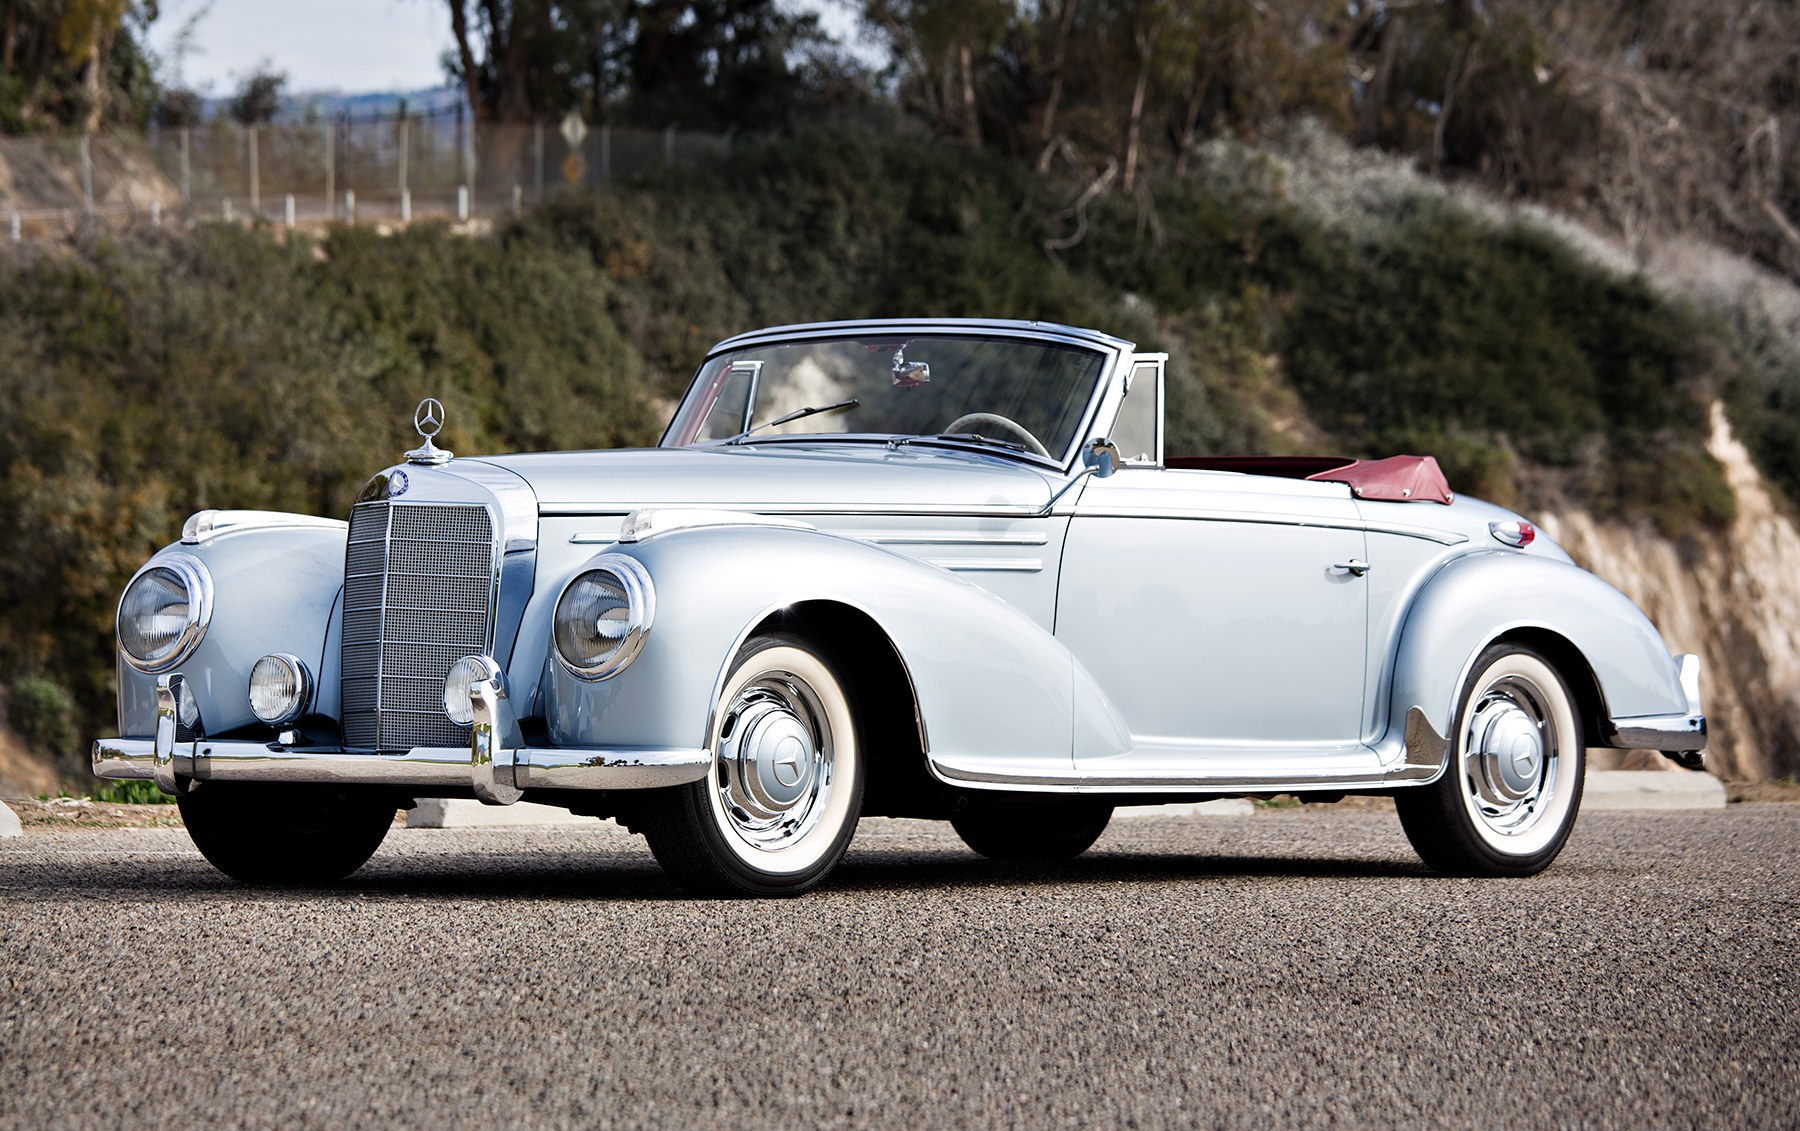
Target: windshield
{"type": "Point", "coordinates": [1019, 394]}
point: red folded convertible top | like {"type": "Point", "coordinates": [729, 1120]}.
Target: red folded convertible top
{"type": "Point", "coordinates": [1396, 479]}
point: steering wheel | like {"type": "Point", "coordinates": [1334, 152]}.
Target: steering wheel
{"type": "Point", "coordinates": [961, 424]}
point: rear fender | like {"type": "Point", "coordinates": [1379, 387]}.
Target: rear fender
{"type": "Point", "coordinates": [1480, 597]}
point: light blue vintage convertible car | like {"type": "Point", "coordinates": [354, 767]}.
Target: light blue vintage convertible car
{"type": "Point", "coordinates": [929, 568]}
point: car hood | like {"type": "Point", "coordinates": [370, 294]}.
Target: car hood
{"type": "Point", "coordinates": [778, 478]}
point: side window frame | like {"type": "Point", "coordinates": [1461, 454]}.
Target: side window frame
{"type": "Point", "coordinates": [1144, 376]}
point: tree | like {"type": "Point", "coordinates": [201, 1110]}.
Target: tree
{"type": "Point", "coordinates": [258, 97]}
{"type": "Point", "coordinates": [711, 63]}
{"type": "Point", "coordinates": [75, 63]}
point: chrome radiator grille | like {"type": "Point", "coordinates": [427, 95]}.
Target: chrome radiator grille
{"type": "Point", "coordinates": [418, 586]}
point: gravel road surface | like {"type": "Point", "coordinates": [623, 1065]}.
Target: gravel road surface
{"type": "Point", "coordinates": [1294, 967]}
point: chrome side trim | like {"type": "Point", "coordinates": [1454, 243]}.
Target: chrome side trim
{"type": "Point", "coordinates": [944, 538]}
{"type": "Point", "coordinates": [1444, 537]}
{"type": "Point", "coordinates": [202, 525]}
{"type": "Point", "coordinates": [651, 521]}
{"type": "Point", "coordinates": [1426, 753]}
{"type": "Point", "coordinates": [423, 767]}
{"type": "Point", "coordinates": [989, 565]}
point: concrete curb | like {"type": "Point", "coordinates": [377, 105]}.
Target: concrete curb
{"type": "Point", "coordinates": [1652, 789]}
{"type": "Point", "coordinates": [9, 822]}
{"type": "Point", "coordinates": [1223, 807]}
{"type": "Point", "coordinates": [441, 813]}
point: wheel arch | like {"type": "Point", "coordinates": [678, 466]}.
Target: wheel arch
{"type": "Point", "coordinates": [890, 724]}
{"type": "Point", "coordinates": [1576, 672]}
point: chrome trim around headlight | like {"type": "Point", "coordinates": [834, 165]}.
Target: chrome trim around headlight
{"type": "Point", "coordinates": [194, 576]}
{"type": "Point", "coordinates": [640, 599]}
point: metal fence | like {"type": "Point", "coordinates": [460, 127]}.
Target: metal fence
{"type": "Point", "coordinates": [338, 168]}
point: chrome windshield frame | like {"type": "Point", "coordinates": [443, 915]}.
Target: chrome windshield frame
{"type": "Point", "coordinates": [1113, 353]}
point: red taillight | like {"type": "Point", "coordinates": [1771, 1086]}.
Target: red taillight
{"type": "Point", "coordinates": [1519, 534]}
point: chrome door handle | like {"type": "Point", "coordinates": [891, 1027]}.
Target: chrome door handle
{"type": "Point", "coordinates": [1355, 567]}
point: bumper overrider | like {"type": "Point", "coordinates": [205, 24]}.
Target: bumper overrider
{"type": "Point", "coordinates": [495, 764]}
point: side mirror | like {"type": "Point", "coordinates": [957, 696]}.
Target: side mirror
{"type": "Point", "coordinates": [1102, 458]}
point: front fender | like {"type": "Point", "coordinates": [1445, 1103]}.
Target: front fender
{"type": "Point", "coordinates": [991, 684]}
{"type": "Point", "coordinates": [1479, 597]}
{"type": "Point", "coordinates": [275, 589]}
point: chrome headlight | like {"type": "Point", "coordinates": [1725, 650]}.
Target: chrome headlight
{"type": "Point", "coordinates": [280, 689]}
{"type": "Point", "coordinates": [459, 705]}
{"type": "Point", "coordinates": [603, 616]}
{"type": "Point", "coordinates": [164, 612]}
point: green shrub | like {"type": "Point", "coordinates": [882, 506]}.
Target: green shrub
{"type": "Point", "coordinates": [44, 715]}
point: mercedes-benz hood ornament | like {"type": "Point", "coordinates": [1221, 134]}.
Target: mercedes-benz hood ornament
{"type": "Point", "coordinates": [428, 421]}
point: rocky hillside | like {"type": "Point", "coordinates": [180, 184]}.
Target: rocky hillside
{"type": "Point", "coordinates": [1732, 597]}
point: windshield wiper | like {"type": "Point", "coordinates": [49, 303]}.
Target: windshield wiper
{"type": "Point", "coordinates": [969, 438]}
{"type": "Point", "coordinates": [797, 414]}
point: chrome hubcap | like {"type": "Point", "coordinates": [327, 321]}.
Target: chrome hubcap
{"type": "Point", "coordinates": [1510, 754]}
{"type": "Point", "coordinates": [774, 760]}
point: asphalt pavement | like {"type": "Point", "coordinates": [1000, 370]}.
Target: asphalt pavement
{"type": "Point", "coordinates": [1292, 968]}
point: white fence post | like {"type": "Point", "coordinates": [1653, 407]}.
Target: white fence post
{"type": "Point", "coordinates": [186, 173]}
{"type": "Point", "coordinates": [225, 208]}
{"type": "Point", "coordinates": [518, 199]}
{"type": "Point", "coordinates": [288, 209]}
{"type": "Point", "coordinates": [156, 213]}
{"type": "Point", "coordinates": [18, 228]}
{"type": "Point", "coordinates": [405, 206]}
{"type": "Point", "coordinates": [462, 202]}
{"type": "Point", "coordinates": [350, 205]}
{"type": "Point", "coordinates": [405, 131]}
{"type": "Point", "coordinates": [330, 168]}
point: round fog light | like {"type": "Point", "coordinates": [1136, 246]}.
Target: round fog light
{"type": "Point", "coordinates": [459, 705]}
{"type": "Point", "coordinates": [280, 688]}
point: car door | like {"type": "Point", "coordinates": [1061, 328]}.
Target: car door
{"type": "Point", "coordinates": [1224, 617]}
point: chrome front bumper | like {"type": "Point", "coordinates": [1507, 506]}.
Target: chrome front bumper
{"type": "Point", "coordinates": [498, 770]}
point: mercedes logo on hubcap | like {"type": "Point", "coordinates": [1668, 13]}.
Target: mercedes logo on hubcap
{"type": "Point", "coordinates": [428, 418]}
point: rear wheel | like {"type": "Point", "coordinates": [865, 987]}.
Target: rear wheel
{"type": "Point", "coordinates": [781, 803]}
{"type": "Point", "coordinates": [1508, 799]}
{"type": "Point", "coordinates": [287, 834]}
{"type": "Point", "coordinates": [1043, 829]}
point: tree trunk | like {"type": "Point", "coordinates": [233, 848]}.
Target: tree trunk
{"type": "Point", "coordinates": [1136, 124]}
{"type": "Point", "coordinates": [1047, 127]}
{"type": "Point", "coordinates": [459, 25]}
{"type": "Point", "coordinates": [971, 115]}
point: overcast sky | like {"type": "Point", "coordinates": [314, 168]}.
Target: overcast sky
{"type": "Point", "coordinates": [353, 46]}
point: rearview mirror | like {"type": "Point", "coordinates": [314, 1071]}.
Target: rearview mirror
{"type": "Point", "coordinates": [1101, 456]}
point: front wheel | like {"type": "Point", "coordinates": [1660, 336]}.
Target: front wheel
{"type": "Point", "coordinates": [287, 834]}
{"type": "Point", "coordinates": [781, 803]}
{"type": "Point", "coordinates": [1507, 801]}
